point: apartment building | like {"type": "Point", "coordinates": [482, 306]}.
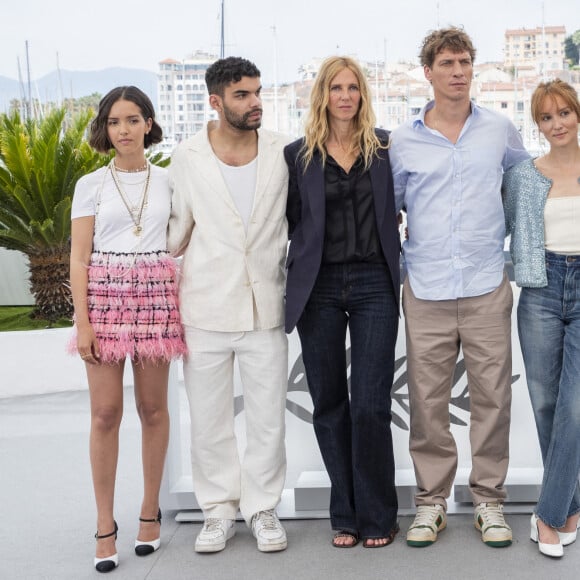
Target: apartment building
{"type": "Point", "coordinates": [398, 90]}
{"type": "Point", "coordinates": [183, 106]}
{"type": "Point", "coordinates": [541, 49]}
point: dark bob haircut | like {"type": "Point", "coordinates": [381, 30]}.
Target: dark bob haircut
{"type": "Point", "coordinates": [228, 70]}
{"type": "Point", "coordinates": [99, 137]}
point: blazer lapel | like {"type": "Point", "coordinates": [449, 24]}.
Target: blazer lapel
{"type": "Point", "coordinates": [211, 170]}
{"type": "Point", "coordinates": [268, 158]}
{"type": "Point", "coordinates": [315, 189]}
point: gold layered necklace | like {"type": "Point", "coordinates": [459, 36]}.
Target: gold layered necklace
{"type": "Point", "coordinates": [136, 212]}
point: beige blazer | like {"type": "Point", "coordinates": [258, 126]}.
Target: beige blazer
{"type": "Point", "coordinates": [226, 270]}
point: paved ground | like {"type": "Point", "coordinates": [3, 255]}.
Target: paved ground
{"type": "Point", "coordinates": [47, 521]}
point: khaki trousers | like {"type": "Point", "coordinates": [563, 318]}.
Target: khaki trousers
{"type": "Point", "coordinates": [435, 331]}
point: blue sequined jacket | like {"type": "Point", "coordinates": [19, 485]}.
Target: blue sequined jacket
{"type": "Point", "coordinates": [525, 191]}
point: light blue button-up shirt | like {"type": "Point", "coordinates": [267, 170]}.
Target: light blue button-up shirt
{"type": "Point", "coordinates": [452, 195]}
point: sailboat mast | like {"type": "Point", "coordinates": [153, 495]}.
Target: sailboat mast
{"type": "Point", "coordinates": [222, 35]}
{"type": "Point", "coordinates": [60, 91]}
{"type": "Point", "coordinates": [29, 105]}
{"type": "Point", "coordinates": [23, 102]}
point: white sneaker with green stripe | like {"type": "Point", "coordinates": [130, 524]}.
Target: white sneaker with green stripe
{"type": "Point", "coordinates": [428, 522]}
{"type": "Point", "coordinates": [490, 521]}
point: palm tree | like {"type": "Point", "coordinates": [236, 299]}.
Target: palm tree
{"type": "Point", "coordinates": [40, 162]}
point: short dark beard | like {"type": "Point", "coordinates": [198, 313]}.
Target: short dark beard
{"type": "Point", "coordinates": [241, 123]}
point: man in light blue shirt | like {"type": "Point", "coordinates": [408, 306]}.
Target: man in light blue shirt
{"type": "Point", "coordinates": [448, 165]}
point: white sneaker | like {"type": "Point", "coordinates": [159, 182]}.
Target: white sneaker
{"type": "Point", "coordinates": [490, 521]}
{"type": "Point", "coordinates": [214, 535]}
{"type": "Point", "coordinates": [268, 531]}
{"type": "Point", "coordinates": [428, 522]}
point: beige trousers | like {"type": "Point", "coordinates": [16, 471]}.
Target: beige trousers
{"type": "Point", "coordinates": [435, 331]}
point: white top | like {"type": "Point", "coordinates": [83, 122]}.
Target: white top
{"type": "Point", "coordinates": [562, 224]}
{"type": "Point", "coordinates": [113, 224]}
{"type": "Point", "coordinates": [241, 183]}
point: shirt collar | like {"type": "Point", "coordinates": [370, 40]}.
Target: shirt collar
{"type": "Point", "coordinates": [420, 118]}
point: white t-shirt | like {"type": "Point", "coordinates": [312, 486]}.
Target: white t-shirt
{"type": "Point", "coordinates": [113, 224]}
{"type": "Point", "coordinates": [241, 182]}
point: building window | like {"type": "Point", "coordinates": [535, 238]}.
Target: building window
{"type": "Point", "coordinates": [504, 104]}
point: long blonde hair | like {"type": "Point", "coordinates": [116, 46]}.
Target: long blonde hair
{"type": "Point", "coordinates": [317, 129]}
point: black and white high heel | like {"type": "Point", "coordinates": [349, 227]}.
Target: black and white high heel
{"type": "Point", "coordinates": [146, 548]}
{"type": "Point", "coordinates": [110, 562]}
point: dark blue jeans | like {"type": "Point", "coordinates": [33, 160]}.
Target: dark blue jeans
{"type": "Point", "coordinates": [354, 435]}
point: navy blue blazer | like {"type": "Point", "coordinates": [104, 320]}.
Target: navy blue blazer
{"type": "Point", "coordinates": [306, 213]}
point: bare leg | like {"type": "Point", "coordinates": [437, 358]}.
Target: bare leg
{"type": "Point", "coordinates": [151, 378]}
{"type": "Point", "coordinates": [106, 395]}
{"type": "Point", "coordinates": [546, 534]}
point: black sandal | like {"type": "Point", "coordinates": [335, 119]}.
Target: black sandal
{"type": "Point", "coordinates": [146, 548]}
{"type": "Point", "coordinates": [345, 534]}
{"type": "Point", "coordinates": [110, 562]}
{"type": "Point", "coordinates": [369, 543]}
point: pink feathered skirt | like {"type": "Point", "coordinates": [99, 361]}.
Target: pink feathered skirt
{"type": "Point", "coordinates": [133, 306]}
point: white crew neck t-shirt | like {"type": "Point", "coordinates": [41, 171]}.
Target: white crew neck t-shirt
{"type": "Point", "coordinates": [241, 183]}
{"type": "Point", "coordinates": [113, 224]}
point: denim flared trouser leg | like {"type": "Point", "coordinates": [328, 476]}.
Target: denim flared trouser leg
{"type": "Point", "coordinates": [354, 435]}
{"type": "Point", "coordinates": [549, 330]}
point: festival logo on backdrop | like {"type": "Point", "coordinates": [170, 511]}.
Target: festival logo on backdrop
{"type": "Point", "coordinates": [400, 408]}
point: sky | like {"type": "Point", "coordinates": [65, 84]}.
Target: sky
{"type": "Point", "coordinates": [277, 35]}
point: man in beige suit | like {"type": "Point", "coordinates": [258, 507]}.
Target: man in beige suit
{"type": "Point", "coordinates": [228, 220]}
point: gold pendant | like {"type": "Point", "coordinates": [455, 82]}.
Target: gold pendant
{"type": "Point", "coordinates": [137, 230]}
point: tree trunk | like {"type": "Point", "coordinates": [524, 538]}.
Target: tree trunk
{"type": "Point", "coordinates": [49, 283]}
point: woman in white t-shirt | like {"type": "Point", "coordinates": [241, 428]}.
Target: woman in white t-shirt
{"type": "Point", "coordinates": [124, 291]}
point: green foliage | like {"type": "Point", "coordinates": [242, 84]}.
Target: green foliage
{"type": "Point", "coordinates": [86, 102]}
{"type": "Point", "coordinates": [572, 48]}
{"type": "Point", "coordinates": [40, 163]}
{"type": "Point", "coordinates": [22, 318]}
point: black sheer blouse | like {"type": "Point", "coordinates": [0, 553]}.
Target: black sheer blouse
{"type": "Point", "coordinates": [351, 226]}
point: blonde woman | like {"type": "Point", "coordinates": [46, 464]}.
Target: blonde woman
{"type": "Point", "coordinates": [343, 273]}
